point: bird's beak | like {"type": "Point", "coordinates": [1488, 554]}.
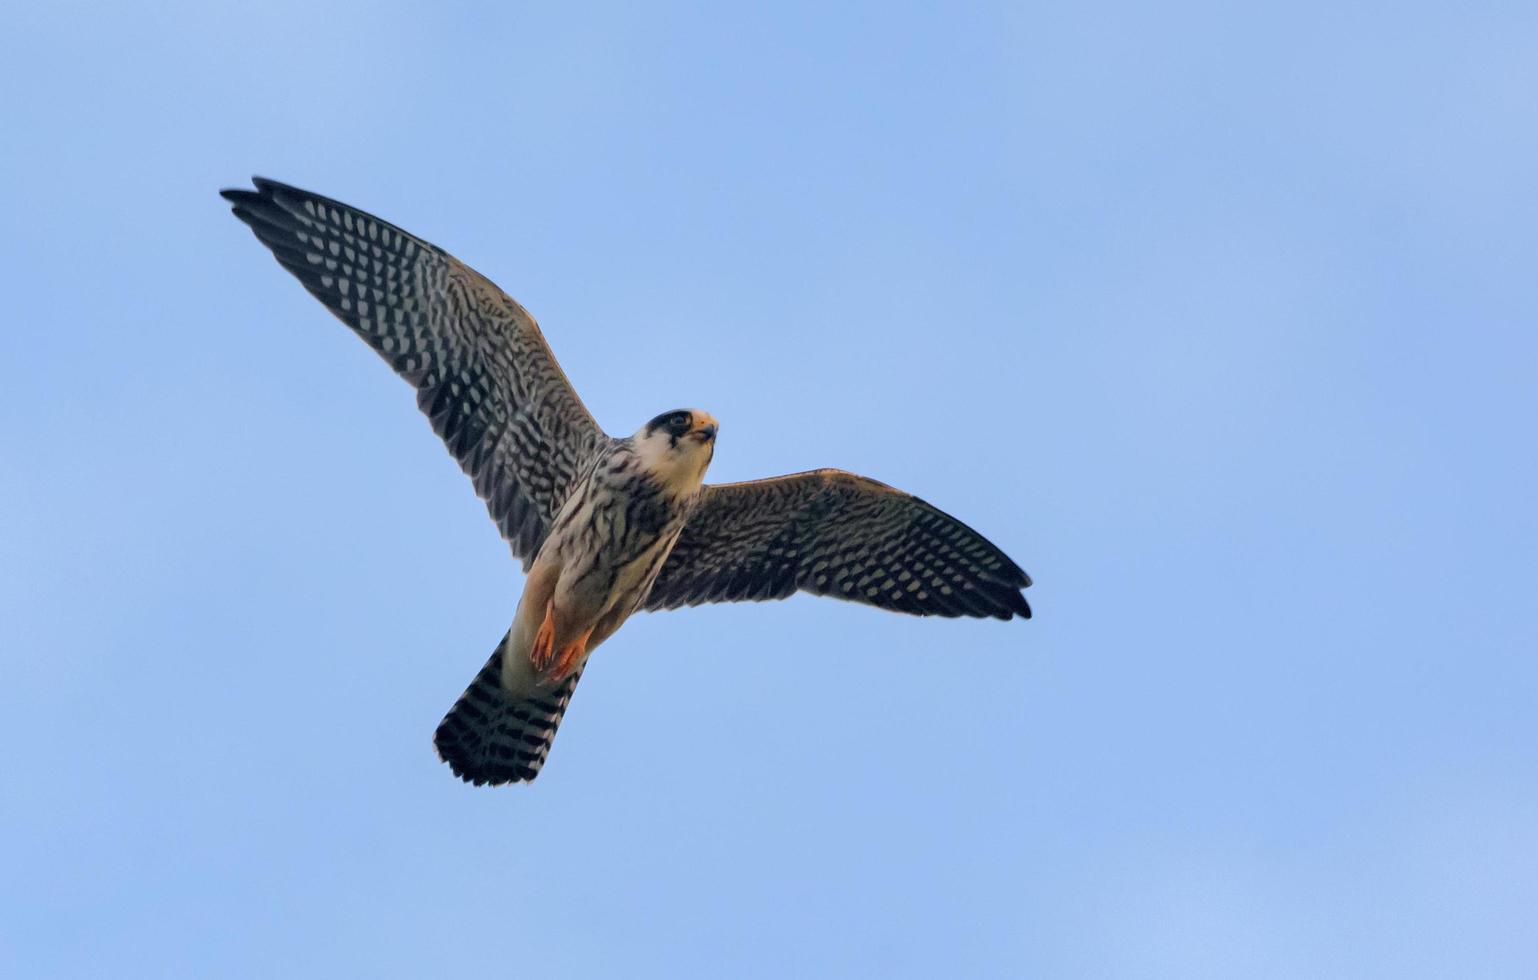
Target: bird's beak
{"type": "Point", "coordinates": [707, 431]}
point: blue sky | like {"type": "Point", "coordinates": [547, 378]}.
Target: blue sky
{"type": "Point", "coordinates": [1220, 319]}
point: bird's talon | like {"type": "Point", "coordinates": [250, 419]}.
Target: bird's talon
{"type": "Point", "coordinates": [543, 649]}
{"type": "Point", "coordinates": [570, 655]}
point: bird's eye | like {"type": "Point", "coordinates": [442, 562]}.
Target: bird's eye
{"type": "Point", "coordinates": [674, 423]}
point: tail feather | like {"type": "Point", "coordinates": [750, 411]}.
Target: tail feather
{"type": "Point", "coordinates": [493, 735]}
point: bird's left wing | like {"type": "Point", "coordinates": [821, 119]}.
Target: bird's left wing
{"type": "Point", "coordinates": [833, 533]}
{"type": "Point", "coordinates": [483, 373]}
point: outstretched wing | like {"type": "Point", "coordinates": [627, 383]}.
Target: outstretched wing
{"type": "Point", "coordinates": [483, 372]}
{"type": "Point", "coordinates": [833, 533]}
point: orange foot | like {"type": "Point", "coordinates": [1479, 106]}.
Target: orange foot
{"type": "Point", "coordinates": [544, 639]}
{"type": "Point", "coordinates": [570, 657]}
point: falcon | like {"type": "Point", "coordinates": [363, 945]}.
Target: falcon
{"type": "Point", "coordinates": [604, 526]}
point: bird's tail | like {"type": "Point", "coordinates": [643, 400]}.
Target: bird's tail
{"type": "Point", "coordinates": [494, 735]}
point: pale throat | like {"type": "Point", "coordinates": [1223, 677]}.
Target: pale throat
{"type": "Point", "coordinates": [679, 470]}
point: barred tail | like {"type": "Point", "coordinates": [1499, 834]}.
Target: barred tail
{"type": "Point", "coordinates": [493, 735]}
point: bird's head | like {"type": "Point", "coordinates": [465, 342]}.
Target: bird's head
{"type": "Point", "coordinates": [677, 446]}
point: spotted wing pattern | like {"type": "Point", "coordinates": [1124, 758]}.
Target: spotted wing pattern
{"type": "Point", "coordinates": [833, 533]}
{"type": "Point", "coordinates": [482, 371]}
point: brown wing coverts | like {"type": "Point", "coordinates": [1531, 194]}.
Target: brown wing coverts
{"type": "Point", "coordinates": [833, 533]}
{"type": "Point", "coordinates": [483, 373]}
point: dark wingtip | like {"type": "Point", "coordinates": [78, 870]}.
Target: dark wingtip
{"type": "Point", "coordinates": [246, 193]}
{"type": "Point", "coordinates": [265, 186]}
{"type": "Point", "coordinates": [1019, 606]}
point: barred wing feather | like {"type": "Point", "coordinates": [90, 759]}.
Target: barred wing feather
{"type": "Point", "coordinates": [483, 373]}
{"type": "Point", "coordinates": [833, 533]}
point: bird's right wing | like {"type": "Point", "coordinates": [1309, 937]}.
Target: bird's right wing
{"type": "Point", "coordinates": [482, 371]}
{"type": "Point", "coordinates": [836, 534]}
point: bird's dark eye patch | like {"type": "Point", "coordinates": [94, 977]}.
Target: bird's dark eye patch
{"type": "Point", "coordinates": [676, 423]}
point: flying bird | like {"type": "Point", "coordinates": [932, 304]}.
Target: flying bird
{"type": "Point", "coordinates": [604, 526]}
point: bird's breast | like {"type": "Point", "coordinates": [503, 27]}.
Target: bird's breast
{"type": "Point", "coordinates": [612, 535]}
